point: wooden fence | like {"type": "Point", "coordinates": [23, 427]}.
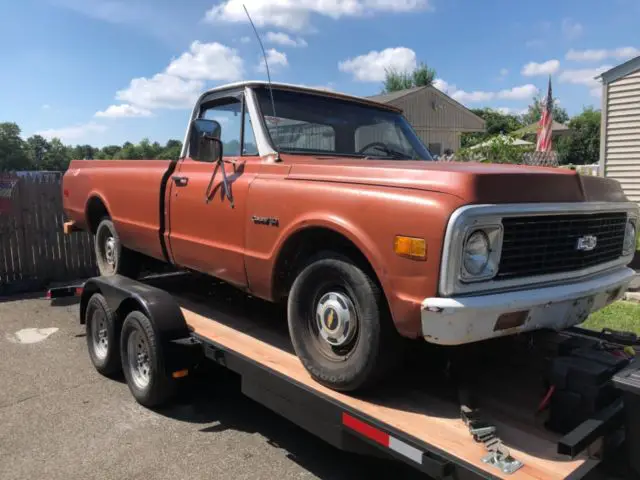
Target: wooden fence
{"type": "Point", "coordinates": [33, 249]}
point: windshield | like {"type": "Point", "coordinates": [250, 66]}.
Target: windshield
{"type": "Point", "coordinates": [315, 124]}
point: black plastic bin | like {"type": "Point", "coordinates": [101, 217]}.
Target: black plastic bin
{"type": "Point", "coordinates": [628, 380]}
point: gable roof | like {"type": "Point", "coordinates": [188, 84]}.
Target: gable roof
{"type": "Point", "coordinates": [390, 98]}
{"type": "Point", "coordinates": [621, 70]}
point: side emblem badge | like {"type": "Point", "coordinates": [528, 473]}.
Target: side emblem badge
{"type": "Point", "coordinates": [269, 221]}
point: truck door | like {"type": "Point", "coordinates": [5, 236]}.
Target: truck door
{"type": "Point", "coordinates": [206, 229]}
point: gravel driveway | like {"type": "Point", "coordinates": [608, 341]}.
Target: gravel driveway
{"type": "Point", "coordinates": [61, 420]}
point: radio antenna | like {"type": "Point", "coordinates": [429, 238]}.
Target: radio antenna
{"type": "Point", "coordinates": [266, 64]}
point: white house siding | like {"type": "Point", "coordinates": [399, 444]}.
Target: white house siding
{"type": "Point", "coordinates": [621, 132]}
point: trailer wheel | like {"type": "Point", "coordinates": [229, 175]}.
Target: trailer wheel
{"type": "Point", "coordinates": [340, 326]}
{"type": "Point", "coordinates": [102, 336]}
{"type": "Point", "coordinates": [111, 256]}
{"type": "Point", "coordinates": [142, 363]}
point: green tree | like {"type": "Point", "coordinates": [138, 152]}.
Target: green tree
{"type": "Point", "coordinates": [37, 149]}
{"type": "Point", "coordinates": [57, 157]}
{"type": "Point", "coordinates": [13, 151]}
{"type": "Point", "coordinates": [582, 145]}
{"type": "Point", "coordinates": [496, 123]}
{"type": "Point", "coordinates": [421, 76]}
{"type": "Point", "coordinates": [108, 152]}
{"type": "Point", "coordinates": [171, 150]}
{"type": "Point", "coordinates": [500, 149]}
{"type": "Point", "coordinates": [535, 111]}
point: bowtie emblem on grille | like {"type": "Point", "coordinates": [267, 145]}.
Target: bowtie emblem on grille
{"type": "Point", "coordinates": [587, 243]}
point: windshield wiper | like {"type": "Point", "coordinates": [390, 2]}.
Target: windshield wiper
{"type": "Point", "coordinates": [398, 155]}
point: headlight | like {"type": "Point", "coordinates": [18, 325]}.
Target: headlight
{"type": "Point", "coordinates": [475, 255]}
{"type": "Point", "coordinates": [629, 245]}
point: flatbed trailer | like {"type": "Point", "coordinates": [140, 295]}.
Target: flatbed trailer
{"type": "Point", "coordinates": [415, 418]}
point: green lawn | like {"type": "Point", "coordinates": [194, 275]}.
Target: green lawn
{"type": "Point", "coordinates": [619, 316]}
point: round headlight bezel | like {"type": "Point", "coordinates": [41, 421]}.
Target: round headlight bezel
{"type": "Point", "coordinates": [629, 242]}
{"type": "Point", "coordinates": [477, 235]}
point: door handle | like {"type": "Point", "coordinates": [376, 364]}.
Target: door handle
{"type": "Point", "coordinates": [180, 181]}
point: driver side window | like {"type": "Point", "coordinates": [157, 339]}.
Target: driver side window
{"type": "Point", "coordinates": [228, 114]}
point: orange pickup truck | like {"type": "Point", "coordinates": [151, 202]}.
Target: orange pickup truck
{"type": "Point", "coordinates": [334, 205]}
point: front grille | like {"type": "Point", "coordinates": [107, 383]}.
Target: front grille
{"type": "Point", "coordinates": [546, 244]}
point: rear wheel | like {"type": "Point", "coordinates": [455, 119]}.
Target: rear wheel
{"type": "Point", "coordinates": [102, 336]}
{"type": "Point", "coordinates": [340, 326]}
{"type": "Point", "coordinates": [142, 364]}
{"type": "Point", "coordinates": [111, 256]}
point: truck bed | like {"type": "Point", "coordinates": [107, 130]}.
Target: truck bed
{"type": "Point", "coordinates": [419, 403]}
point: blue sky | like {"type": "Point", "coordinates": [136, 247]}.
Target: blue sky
{"type": "Point", "coordinates": [107, 71]}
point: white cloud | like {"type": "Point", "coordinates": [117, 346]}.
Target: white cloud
{"type": "Point", "coordinates": [532, 69]}
{"type": "Point", "coordinates": [516, 93]}
{"type": "Point", "coordinates": [596, 92]}
{"type": "Point", "coordinates": [521, 92]}
{"type": "Point", "coordinates": [444, 86]}
{"type": "Point", "coordinates": [161, 91]}
{"type": "Point", "coordinates": [294, 15]}
{"type": "Point", "coordinates": [621, 53]}
{"type": "Point", "coordinates": [73, 133]}
{"type": "Point", "coordinates": [245, 39]}
{"type": "Point", "coordinates": [571, 29]}
{"type": "Point", "coordinates": [512, 111]}
{"type": "Point", "coordinates": [281, 38]}
{"type": "Point", "coordinates": [45, 106]}
{"type": "Point", "coordinates": [207, 61]}
{"type": "Point", "coordinates": [275, 59]}
{"type": "Point", "coordinates": [583, 76]}
{"type": "Point", "coordinates": [182, 81]}
{"type": "Point", "coordinates": [503, 73]}
{"type": "Point", "coordinates": [472, 97]}
{"type": "Point", "coordinates": [123, 110]}
{"type": "Point", "coordinates": [372, 66]}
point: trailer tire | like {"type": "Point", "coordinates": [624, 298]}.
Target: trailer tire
{"type": "Point", "coordinates": [102, 336]}
{"type": "Point", "coordinates": [111, 256]}
{"type": "Point", "coordinates": [142, 362]}
{"type": "Point", "coordinates": [340, 324]}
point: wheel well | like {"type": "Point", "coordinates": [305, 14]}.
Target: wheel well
{"type": "Point", "coordinates": [303, 245]}
{"type": "Point", "coordinates": [96, 211]}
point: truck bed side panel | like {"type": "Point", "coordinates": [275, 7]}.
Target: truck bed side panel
{"type": "Point", "coordinates": [130, 190]}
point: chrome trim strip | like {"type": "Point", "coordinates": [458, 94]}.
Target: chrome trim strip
{"type": "Point", "coordinates": [259, 133]}
{"type": "Point", "coordinates": [465, 217]}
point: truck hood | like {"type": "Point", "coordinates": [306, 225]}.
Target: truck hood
{"type": "Point", "coordinates": [472, 182]}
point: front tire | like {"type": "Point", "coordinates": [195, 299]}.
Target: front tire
{"type": "Point", "coordinates": [111, 256]}
{"type": "Point", "coordinates": [142, 363]}
{"type": "Point", "coordinates": [340, 326]}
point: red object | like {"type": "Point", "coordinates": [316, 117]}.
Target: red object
{"type": "Point", "coordinates": [545, 141]}
{"type": "Point", "coordinates": [547, 398]}
{"type": "Point", "coordinates": [365, 429]}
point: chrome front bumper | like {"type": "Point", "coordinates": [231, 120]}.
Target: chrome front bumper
{"type": "Point", "coordinates": [460, 320]}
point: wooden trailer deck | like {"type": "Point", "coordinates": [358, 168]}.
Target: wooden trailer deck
{"type": "Point", "coordinates": [425, 418]}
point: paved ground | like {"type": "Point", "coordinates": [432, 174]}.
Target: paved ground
{"type": "Point", "coordinates": [59, 419]}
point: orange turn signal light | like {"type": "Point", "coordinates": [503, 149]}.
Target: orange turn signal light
{"type": "Point", "coordinates": [411, 247]}
{"type": "Point", "coordinates": [180, 373]}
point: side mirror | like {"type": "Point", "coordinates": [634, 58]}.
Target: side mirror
{"type": "Point", "coordinates": [205, 144]}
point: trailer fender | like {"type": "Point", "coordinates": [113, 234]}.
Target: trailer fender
{"type": "Point", "coordinates": [123, 295]}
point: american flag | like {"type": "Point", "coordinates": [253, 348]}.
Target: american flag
{"type": "Point", "coordinates": [546, 122]}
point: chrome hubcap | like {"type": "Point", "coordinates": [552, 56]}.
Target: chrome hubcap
{"type": "Point", "coordinates": [336, 319]}
{"type": "Point", "coordinates": [139, 364]}
{"type": "Point", "coordinates": [99, 335]}
{"type": "Point", "coordinates": [110, 250]}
